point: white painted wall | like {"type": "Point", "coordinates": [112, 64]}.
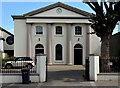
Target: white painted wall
{"type": "Point", "coordinates": [20, 38]}
{"type": "Point", "coordinates": [93, 67]}
{"type": "Point", "coordinates": [1, 45]}
{"type": "Point", "coordinates": [59, 39]}
{"type": "Point", "coordinates": [35, 38]}
{"type": "Point", "coordinates": [21, 34]}
{"type": "Point", "coordinates": [108, 77]}
{"type": "Point", "coordinates": [41, 67]}
{"type": "Point", "coordinates": [17, 78]}
{"type": "Point", "coordinates": [1, 42]}
{"type": "Point", "coordinates": [56, 39]}
{"type": "Point", "coordinates": [0, 33]}
{"type": "Point", "coordinates": [6, 46]}
{"type": "Point", "coordinates": [36, 20]}
{"type": "Point", "coordinates": [82, 40]}
{"type": "Point", "coordinates": [95, 44]}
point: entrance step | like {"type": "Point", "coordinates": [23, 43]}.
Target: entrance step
{"type": "Point", "coordinates": [65, 67]}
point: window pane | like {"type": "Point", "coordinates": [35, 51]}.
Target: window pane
{"type": "Point", "coordinates": [39, 30]}
{"type": "Point", "coordinates": [78, 30]}
{"type": "Point", "coordinates": [39, 51]}
{"type": "Point", "coordinates": [58, 30]}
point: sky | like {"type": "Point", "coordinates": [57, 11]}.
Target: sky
{"type": "Point", "coordinates": [18, 8]}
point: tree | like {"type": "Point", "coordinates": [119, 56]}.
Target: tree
{"type": "Point", "coordinates": [106, 16]}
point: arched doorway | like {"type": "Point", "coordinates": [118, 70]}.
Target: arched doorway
{"type": "Point", "coordinates": [39, 49]}
{"type": "Point", "coordinates": [78, 54]}
{"type": "Point", "coordinates": [58, 52]}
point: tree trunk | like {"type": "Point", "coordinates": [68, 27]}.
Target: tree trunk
{"type": "Point", "coordinates": [105, 48]}
{"type": "Point", "coordinates": [105, 54]}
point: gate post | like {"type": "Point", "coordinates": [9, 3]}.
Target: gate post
{"type": "Point", "coordinates": [41, 67]}
{"type": "Point", "coordinates": [87, 69]}
{"type": "Point", "coordinates": [94, 67]}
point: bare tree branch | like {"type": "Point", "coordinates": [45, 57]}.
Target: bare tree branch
{"type": "Point", "coordinates": [101, 4]}
{"type": "Point", "coordinates": [110, 6]}
{"type": "Point", "coordinates": [95, 4]}
{"type": "Point", "coordinates": [91, 6]}
{"type": "Point", "coordinates": [106, 6]}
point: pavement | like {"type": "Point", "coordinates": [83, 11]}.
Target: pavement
{"type": "Point", "coordinates": [63, 76]}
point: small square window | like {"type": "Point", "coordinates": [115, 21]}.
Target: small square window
{"type": "Point", "coordinates": [39, 30]}
{"type": "Point", "coordinates": [78, 30]}
{"type": "Point", "coordinates": [58, 30]}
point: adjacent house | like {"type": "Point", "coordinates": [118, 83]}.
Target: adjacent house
{"type": "Point", "coordinates": [114, 45]}
{"type": "Point", "coordinates": [6, 43]}
{"type": "Point", "coordinates": [60, 31]}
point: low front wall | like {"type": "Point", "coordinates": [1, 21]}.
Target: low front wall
{"type": "Point", "coordinates": [17, 78]}
{"type": "Point", "coordinates": [108, 76]}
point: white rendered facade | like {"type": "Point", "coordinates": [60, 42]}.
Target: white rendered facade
{"type": "Point", "coordinates": [26, 38]}
{"type": "Point", "coordinates": [5, 48]}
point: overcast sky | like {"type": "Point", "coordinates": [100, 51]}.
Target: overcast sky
{"type": "Point", "coordinates": [19, 8]}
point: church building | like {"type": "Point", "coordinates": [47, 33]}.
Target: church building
{"type": "Point", "coordinates": [60, 31]}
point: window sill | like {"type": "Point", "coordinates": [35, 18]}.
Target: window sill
{"type": "Point", "coordinates": [78, 35]}
{"type": "Point", "coordinates": [59, 61]}
{"type": "Point", "coordinates": [59, 35]}
{"type": "Point", "coordinates": [39, 35]}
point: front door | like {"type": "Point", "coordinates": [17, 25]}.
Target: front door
{"type": "Point", "coordinates": [77, 54]}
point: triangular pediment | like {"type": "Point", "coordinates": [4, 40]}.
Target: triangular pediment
{"type": "Point", "coordinates": [55, 13]}
{"type": "Point", "coordinates": [58, 10]}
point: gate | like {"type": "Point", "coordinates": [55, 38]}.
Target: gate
{"type": "Point", "coordinates": [87, 69]}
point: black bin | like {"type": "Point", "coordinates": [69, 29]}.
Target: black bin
{"type": "Point", "coordinates": [25, 75]}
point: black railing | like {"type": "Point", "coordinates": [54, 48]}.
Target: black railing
{"type": "Point", "coordinates": [16, 66]}
{"type": "Point", "coordinates": [111, 64]}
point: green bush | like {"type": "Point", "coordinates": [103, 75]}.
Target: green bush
{"type": "Point", "coordinates": [7, 59]}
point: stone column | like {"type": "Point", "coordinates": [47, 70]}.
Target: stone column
{"type": "Point", "coordinates": [49, 43]}
{"type": "Point", "coordinates": [29, 40]}
{"type": "Point", "coordinates": [87, 40]}
{"type": "Point", "coordinates": [69, 44]}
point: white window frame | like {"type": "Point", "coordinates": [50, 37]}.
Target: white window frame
{"type": "Point", "coordinates": [36, 30]}
{"type": "Point", "coordinates": [56, 30]}
{"type": "Point", "coordinates": [81, 30]}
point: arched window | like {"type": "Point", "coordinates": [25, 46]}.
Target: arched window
{"type": "Point", "coordinates": [77, 46]}
{"type": "Point", "coordinates": [78, 30]}
{"type": "Point", "coordinates": [58, 52]}
{"type": "Point", "coordinates": [39, 49]}
{"type": "Point", "coordinates": [39, 30]}
{"type": "Point", "coordinates": [58, 30]}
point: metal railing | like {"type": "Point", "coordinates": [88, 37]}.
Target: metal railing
{"type": "Point", "coordinates": [16, 66]}
{"type": "Point", "coordinates": [110, 65]}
